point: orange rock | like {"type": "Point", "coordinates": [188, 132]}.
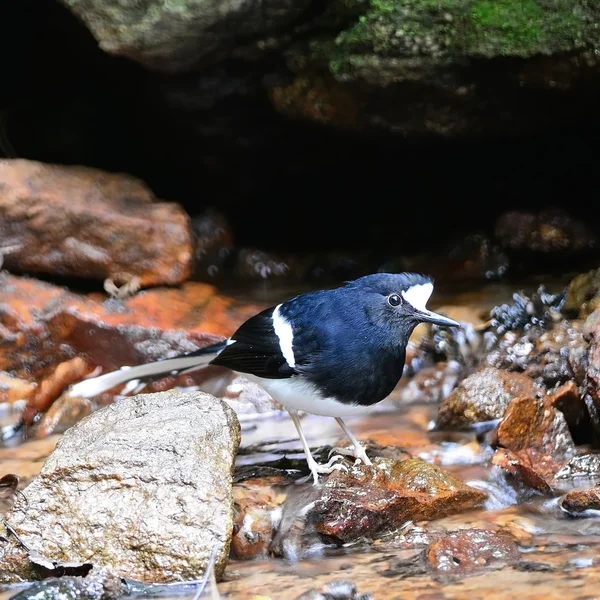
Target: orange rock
{"type": "Point", "coordinates": [13, 389]}
{"type": "Point", "coordinates": [256, 502]}
{"type": "Point", "coordinates": [79, 221]}
{"type": "Point", "coordinates": [45, 326]}
{"type": "Point", "coordinates": [518, 465]}
{"type": "Point", "coordinates": [579, 501]}
{"type": "Point", "coordinates": [535, 442]}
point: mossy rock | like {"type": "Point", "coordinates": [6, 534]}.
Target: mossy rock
{"type": "Point", "coordinates": [396, 29]}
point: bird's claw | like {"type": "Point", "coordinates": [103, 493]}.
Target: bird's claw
{"type": "Point", "coordinates": [332, 465]}
{"type": "Point", "coordinates": [359, 454]}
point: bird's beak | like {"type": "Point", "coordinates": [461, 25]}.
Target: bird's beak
{"type": "Point", "coordinates": [431, 317]}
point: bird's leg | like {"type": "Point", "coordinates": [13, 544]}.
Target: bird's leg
{"type": "Point", "coordinates": [358, 451]}
{"type": "Point", "coordinates": [313, 465]}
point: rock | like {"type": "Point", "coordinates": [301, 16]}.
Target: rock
{"type": "Point", "coordinates": [97, 585]}
{"type": "Point", "coordinates": [532, 424]}
{"type": "Point", "coordinates": [571, 404]}
{"type": "Point", "coordinates": [13, 389]}
{"type": "Point", "coordinates": [257, 512]}
{"type": "Point", "coordinates": [483, 396]}
{"type": "Point", "coordinates": [550, 231]}
{"type": "Point", "coordinates": [336, 590]}
{"type": "Point", "coordinates": [53, 337]}
{"type": "Point", "coordinates": [83, 222]}
{"type": "Point", "coordinates": [472, 550]}
{"type": "Point", "coordinates": [586, 466]}
{"type": "Point", "coordinates": [539, 309]}
{"type": "Point", "coordinates": [519, 466]}
{"type": "Point", "coordinates": [445, 62]}
{"type": "Point", "coordinates": [578, 502]}
{"type": "Point", "coordinates": [177, 37]}
{"type": "Point", "coordinates": [27, 350]}
{"type": "Point", "coordinates": [142, 486]}
{"type": "Point", "coordinates": [549, 357]}
{"type": "Point", "coordinates": [538, 438]}
{"type": "Point", "coordinates": [363, 502]}
{"type": "Point", "coordinates": [429, 385]}
{"type": "Point", "coordinates": [583, 294]}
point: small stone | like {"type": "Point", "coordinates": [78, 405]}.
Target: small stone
{"type": "Point", "coordinates": [142, 487]}
{"type": "Point", "coordinates": [578, 502]}
{"type": "Point", "coordinates": [472, 550]}
{"type": "Point", "coordinates": [483, 396]}
{"type": "Point", "coordinates": [256, 515]}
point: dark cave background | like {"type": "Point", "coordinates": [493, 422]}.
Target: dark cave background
{"type": "Point", "coordinates": [212, 139]}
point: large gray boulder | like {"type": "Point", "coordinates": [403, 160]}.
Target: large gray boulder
{"type": "Point", "coordinates": [142, 487]}
{"type": "Point", "coordinates": [175, 36]}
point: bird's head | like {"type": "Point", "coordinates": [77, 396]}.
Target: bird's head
{"type": "Point", "coordinates": [399, 300]}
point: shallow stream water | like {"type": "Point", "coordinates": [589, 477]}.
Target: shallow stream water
{"type": "Point", "coordinates": [559, 554]}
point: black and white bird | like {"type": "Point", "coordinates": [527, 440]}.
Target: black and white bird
{"type": "Point", "coordinates": [332, 352]}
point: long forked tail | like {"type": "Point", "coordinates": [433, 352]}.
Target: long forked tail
{"type": "Point", "coordinates": [168, 366]}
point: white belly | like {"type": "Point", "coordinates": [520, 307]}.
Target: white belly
{"type": "Point", "coordinates": [301, 395]}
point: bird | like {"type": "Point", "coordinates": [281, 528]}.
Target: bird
{"type": "Point", "coordinates": [333, 352]}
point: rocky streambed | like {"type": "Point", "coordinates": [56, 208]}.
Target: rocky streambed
{"type": "Point", "coordinates": [485, 462]}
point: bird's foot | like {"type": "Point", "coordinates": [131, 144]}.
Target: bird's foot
{"type": "Point", "coordinates": [357, 452]}
{"type": "Point", "coordinates": [326, 469]}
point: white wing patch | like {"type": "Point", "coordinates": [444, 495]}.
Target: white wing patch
{"type": "Point", "coordinates": [284, 332]}
{"type": "Point", "coordinates": [417, 295]}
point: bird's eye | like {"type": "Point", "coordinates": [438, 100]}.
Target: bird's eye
{"type": "Point", "coordinates": [394, 300]}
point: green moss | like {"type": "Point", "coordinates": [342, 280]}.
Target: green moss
{"type": "Point", "coordinates": [484, 28]}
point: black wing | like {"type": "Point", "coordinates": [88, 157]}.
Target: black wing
{"type": "Point", "coordinates": [255, 349]}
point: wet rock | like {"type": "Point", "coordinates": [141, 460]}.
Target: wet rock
{"type": "Point", "coordinates": [153, 324]}
{"type": "Point", "coordinates": [50, 388]}
{"type": "Point", "coordinates": [336, 590]}
{"type": "Point", "coordinates": [571, 404]}
{"type": "Point", "coordinates": [483, 396]}
{"type": "Point", "coordinates": [583, 294]}
{"type": "Point", "coordinates": [532, 424]}
{"type": "Point", "coordinates": [13, 389]}
{"type": "Point", "coordinates": [178, 38]}
{"type": "Point", "coordinates": [586, 466]}
{"type": "Point", "coordinates": [152, 473]}
{"type": "Point", "coordinates": [257, 511]}
{"type": "Point", "coordinates": [27, 349]}
{"type": "Point", "coordinates": [519, 466]}
{"type": "Point", "coordinates": [83, 222]}
{"type": "Point", "coordinates": [431, 385]}
{"type": "Point", "coordinates": [98, 585]}
{"type": "Point", "coordinates": [549, 231]}
{"type": "Point", "coordinates": [539, 441]}
{"type": "Point", "coordinates": [472, 550]}
{"type": "Point", "coordinates": [591, 387]}
{"type": "Point", "coordinates": [363, 502]}
{"type": "Point", "coordinates": [540, 308]}
{"type": "Point", "coordinates": [8, 490]}
{"type": "Point", "coordinates": [53, 337]}
{"type": "Point", "coordinates": [549, 357]}
{"type": "Point", "coordinates": [578, 502]}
